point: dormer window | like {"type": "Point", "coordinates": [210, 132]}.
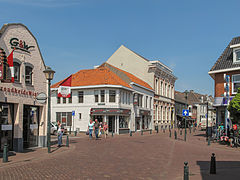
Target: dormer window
{"type": "Point", "coordinates": [236, 53]}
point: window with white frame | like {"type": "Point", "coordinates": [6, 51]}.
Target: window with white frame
{"type": "Point", "coordinates": [236, 55]}
{"type": "Point", "coordinates": [156, 86]}
{"type": "Point", "coordinates": [65, 118]}
{"type": "Point", "coordinates": [28, 75]}
{"type": "Point", "coordinates": [96, 95]}
{"type": "Point", "coordinates": [112, 96]}
{"type": "Point", "coordinates": [146, 102]}
{"type": "Point", "coordinates": [16, 66]}
{"type": "Point", "coordinates": [102, 95]}
{"type": "Point", "coordinates": [235, 83]}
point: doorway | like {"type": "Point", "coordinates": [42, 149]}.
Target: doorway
{"type": "Point", "coordinates": [30, 126]}
{"type": "Point", "coordinates": [111, 124]}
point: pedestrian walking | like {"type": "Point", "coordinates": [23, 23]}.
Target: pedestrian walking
{"type": "Point", "coordinates": [60, 133]}
{"type": "Point", "coordinates": [96, 128]}
{"type": "Point", "coordinates": [105, 129]}
{"type": "Point", "coordinates": [90, 128]}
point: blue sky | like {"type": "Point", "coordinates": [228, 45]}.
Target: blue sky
{"type": "Point", "coordinates": [187, 35]}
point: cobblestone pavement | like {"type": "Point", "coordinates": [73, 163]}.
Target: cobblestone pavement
{"type": "Point", "coordinates": [151, 156]}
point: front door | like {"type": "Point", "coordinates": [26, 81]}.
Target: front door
{"type": "Point", "coordinates": [30, 126]}
{"type": "Point", "coordinates": [111, 123]}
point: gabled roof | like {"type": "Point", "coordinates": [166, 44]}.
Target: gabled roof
{"type": "Point", "coordinates": [103, 75]}
{"type": "Point", "coordinates": [225, 61]}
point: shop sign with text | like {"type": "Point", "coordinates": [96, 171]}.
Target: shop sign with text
{"type": "Point", "coordinates": [20, 44]}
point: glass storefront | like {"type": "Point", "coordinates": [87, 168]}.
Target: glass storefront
{"type": "Point", "coordinates": [123, 121]}
{"type": "Point", "coordinates": [6, 125]}
{"type": "Point", "coordinates": [30, 126]}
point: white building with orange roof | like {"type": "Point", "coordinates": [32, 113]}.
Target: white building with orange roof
{"type": "Point", "coordinates": [108, 94]}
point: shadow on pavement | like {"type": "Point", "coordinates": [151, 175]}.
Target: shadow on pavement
{"type": "Point", "coordinates": [11, 153]}
{"type": "Point", "coordinates": [224, 170]}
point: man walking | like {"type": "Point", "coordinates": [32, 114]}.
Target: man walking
{"type": "Point", "coordinates": [96, 128]}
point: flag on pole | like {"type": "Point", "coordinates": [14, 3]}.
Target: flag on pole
{"type": "Point", "coordinates": [64, 89]}
{"type": "Point", "coordinates": [10, 63]}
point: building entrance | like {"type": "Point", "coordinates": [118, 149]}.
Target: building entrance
{"type": "Point", "coordinates": [30, 126]}
{"type": "Point", "coordinates": [111, 124]}
{"type": "Point", "coordinates": [6, 125]}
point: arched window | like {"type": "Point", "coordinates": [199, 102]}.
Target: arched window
{"type": "Point", "coordinates": [16, 66]}
{"type": "Point", "coordinates": [28, 75]}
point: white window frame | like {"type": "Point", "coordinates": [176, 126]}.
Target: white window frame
{"type": "Point", "coordinates": [235, 55]}
{"type": "Point", "coordinates": [234, 82]}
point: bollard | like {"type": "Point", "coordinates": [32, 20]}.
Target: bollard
{"type": "Point", "coordinates": [175, 133]}
{"type": "Point", "coordinates": [5, 153]}
{"type": "Point", "coordinates": [150, 131]}
{"type": "Point", "coordinates": [170, 133]}
{"type": "Point", "coordinates": [130, 133]}
{"type": "Point", "coordinates": [186, 171]}
{"type": "Point", "coordinates": [213, 164]}
{"type": "Point", "coordinates": [157, 129]}
{"type": "Point", "coordinates": [141, 132]}
{"type": "Point", "coordinates": [181, 132]}
{"type": "Point", "coordinates": [208, 141]}
{"type": "Point", "coordinates": [75, 133]}
{"type": "Point", "coordinates": [67, 141]}
{"type": "Point", "coordinates": [112, 133]}
{"type": "Point", "coordinates": [164, 130]}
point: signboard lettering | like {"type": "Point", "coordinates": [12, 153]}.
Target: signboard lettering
{"type": "Point", "coordinates": [20, 44]}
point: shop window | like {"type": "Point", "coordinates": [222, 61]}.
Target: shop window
{"type": "Point", "coordinates": [112, 96]}
{"type": "Point", "coordinates": [102, 95]}
{"type": "Point", "coordinates": [96, 96]}
{"type": "Point", "coordinates": [123, 122]}
{"type": "Point", "coordinates": [235, 83]}
{"type": "Point", "coordinates": [80, 96]}
{"type": "Point", "coordinates": [28, 75]}
{"type": "Point", "coordinates": [16, 66]}
{"type": "Point", "coordinates": [58, 100]}
{"type": "Point", "coordinates": [70, 99]}
{"type": "Point", "coordinates": [65, 118]}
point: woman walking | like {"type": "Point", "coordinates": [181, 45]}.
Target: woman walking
{"type": "Point", "coordinates": [105, 129]}
{"type": "Point", "coordinates": [90, 128]}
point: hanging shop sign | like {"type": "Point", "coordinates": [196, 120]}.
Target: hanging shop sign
{"type": "Point", "coordinates": [18, 91]}
{"type": "Point", "coordinates": [20, 44]}
{"type": "Point", "coordinates": [41, 98]}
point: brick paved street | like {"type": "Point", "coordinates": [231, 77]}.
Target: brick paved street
{"type": "Point", "coordinates": [153, 156]}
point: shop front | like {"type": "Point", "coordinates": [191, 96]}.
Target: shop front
{"type": "Point", "coordinates": [6, 125]}
{"type": "Point", "coordinates": [143, 121]}
{"type": "Point", "coordinates": [118, 119]}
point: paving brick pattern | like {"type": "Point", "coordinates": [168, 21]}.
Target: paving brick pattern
{"type": "Point", "coordinates": [151, 156]}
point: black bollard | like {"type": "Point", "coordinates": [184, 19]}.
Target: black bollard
{"type": "Point", "coordinates": [130, 133]}
{"type": "Point", "coordinates": [181, 132]}
{"type": "Point", "coordinates": [5, 153]}
{"type": "Point", "coordinates": [67, 141]}
{"type": "Point", "coordinates": [157, 129]}
{"type": "Point", "coordinates": [170, 133]}
{"type": "Point", "coordinates": [150, 131]}
{"type": "Point", "coordinates": [112, 133]}
{"type": "Point", "coordinates": [175, 133]}
{"type": "Point", "coordinates": [164, 130]}
{"type": "Point", "coordinates": [186, 171]}
{"type": "Point", "coordinates": [75, 133]}
{"type": "Point", "coordinates": [141, 132]}
{"type": "Point", "coordinates": [213, 164]}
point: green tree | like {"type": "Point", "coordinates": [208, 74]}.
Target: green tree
{"type": "Point", "coordinates": [234, 108]}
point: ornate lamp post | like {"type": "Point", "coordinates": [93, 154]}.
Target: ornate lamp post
{"type": "Point", "coordinates": [49, 73]}
{"type": "Point", "coordinates": [186, 97]}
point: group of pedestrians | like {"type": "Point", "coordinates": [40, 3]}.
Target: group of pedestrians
{"type": "Point", "coordinates": [97, 128]}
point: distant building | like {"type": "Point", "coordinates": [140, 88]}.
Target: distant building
{"type": "Point", "coordinates": [108, 94]}
{"type": "Point", "coordinates": [228, 63]}
{"type": "Point", "coordinates": [198, 106]}
{"type": "Point", "coordinates": [157, 75]}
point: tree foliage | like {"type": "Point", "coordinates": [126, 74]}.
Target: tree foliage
{"type": "Point", "coordinates": [234, 108]}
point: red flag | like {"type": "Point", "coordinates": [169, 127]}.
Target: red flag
{"type": "Point", "coordinates": [64, 89]}
{"type": "Point", "coordinates": [10, 63]}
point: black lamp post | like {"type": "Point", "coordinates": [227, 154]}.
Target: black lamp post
{"type": "Point", "coordinates": [186, 97]}
{"type": "Point", "coordinates": [49, 73]}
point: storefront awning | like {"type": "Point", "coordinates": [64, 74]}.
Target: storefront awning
{"type": "Point", "coordinates": [104, 111]}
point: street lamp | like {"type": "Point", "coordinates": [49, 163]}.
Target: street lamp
{"type": "Point", "coordinates": [49, 73]}
{"type": "Point", "coordinates": [186, 97]}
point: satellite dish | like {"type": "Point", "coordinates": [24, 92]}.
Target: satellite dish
{"type": "Point", "coordinates": [41, 98]}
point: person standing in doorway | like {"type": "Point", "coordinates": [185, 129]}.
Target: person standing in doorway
{"type": "Point", "coordinates": [60, 134]}
{"type": "Point", "coordinates": [96, 128]}
{"type": "Point", "coordinates": [90, 128]}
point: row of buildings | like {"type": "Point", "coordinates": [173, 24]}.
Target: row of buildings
{"type": "Point", "coordinates": [127, 91]}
